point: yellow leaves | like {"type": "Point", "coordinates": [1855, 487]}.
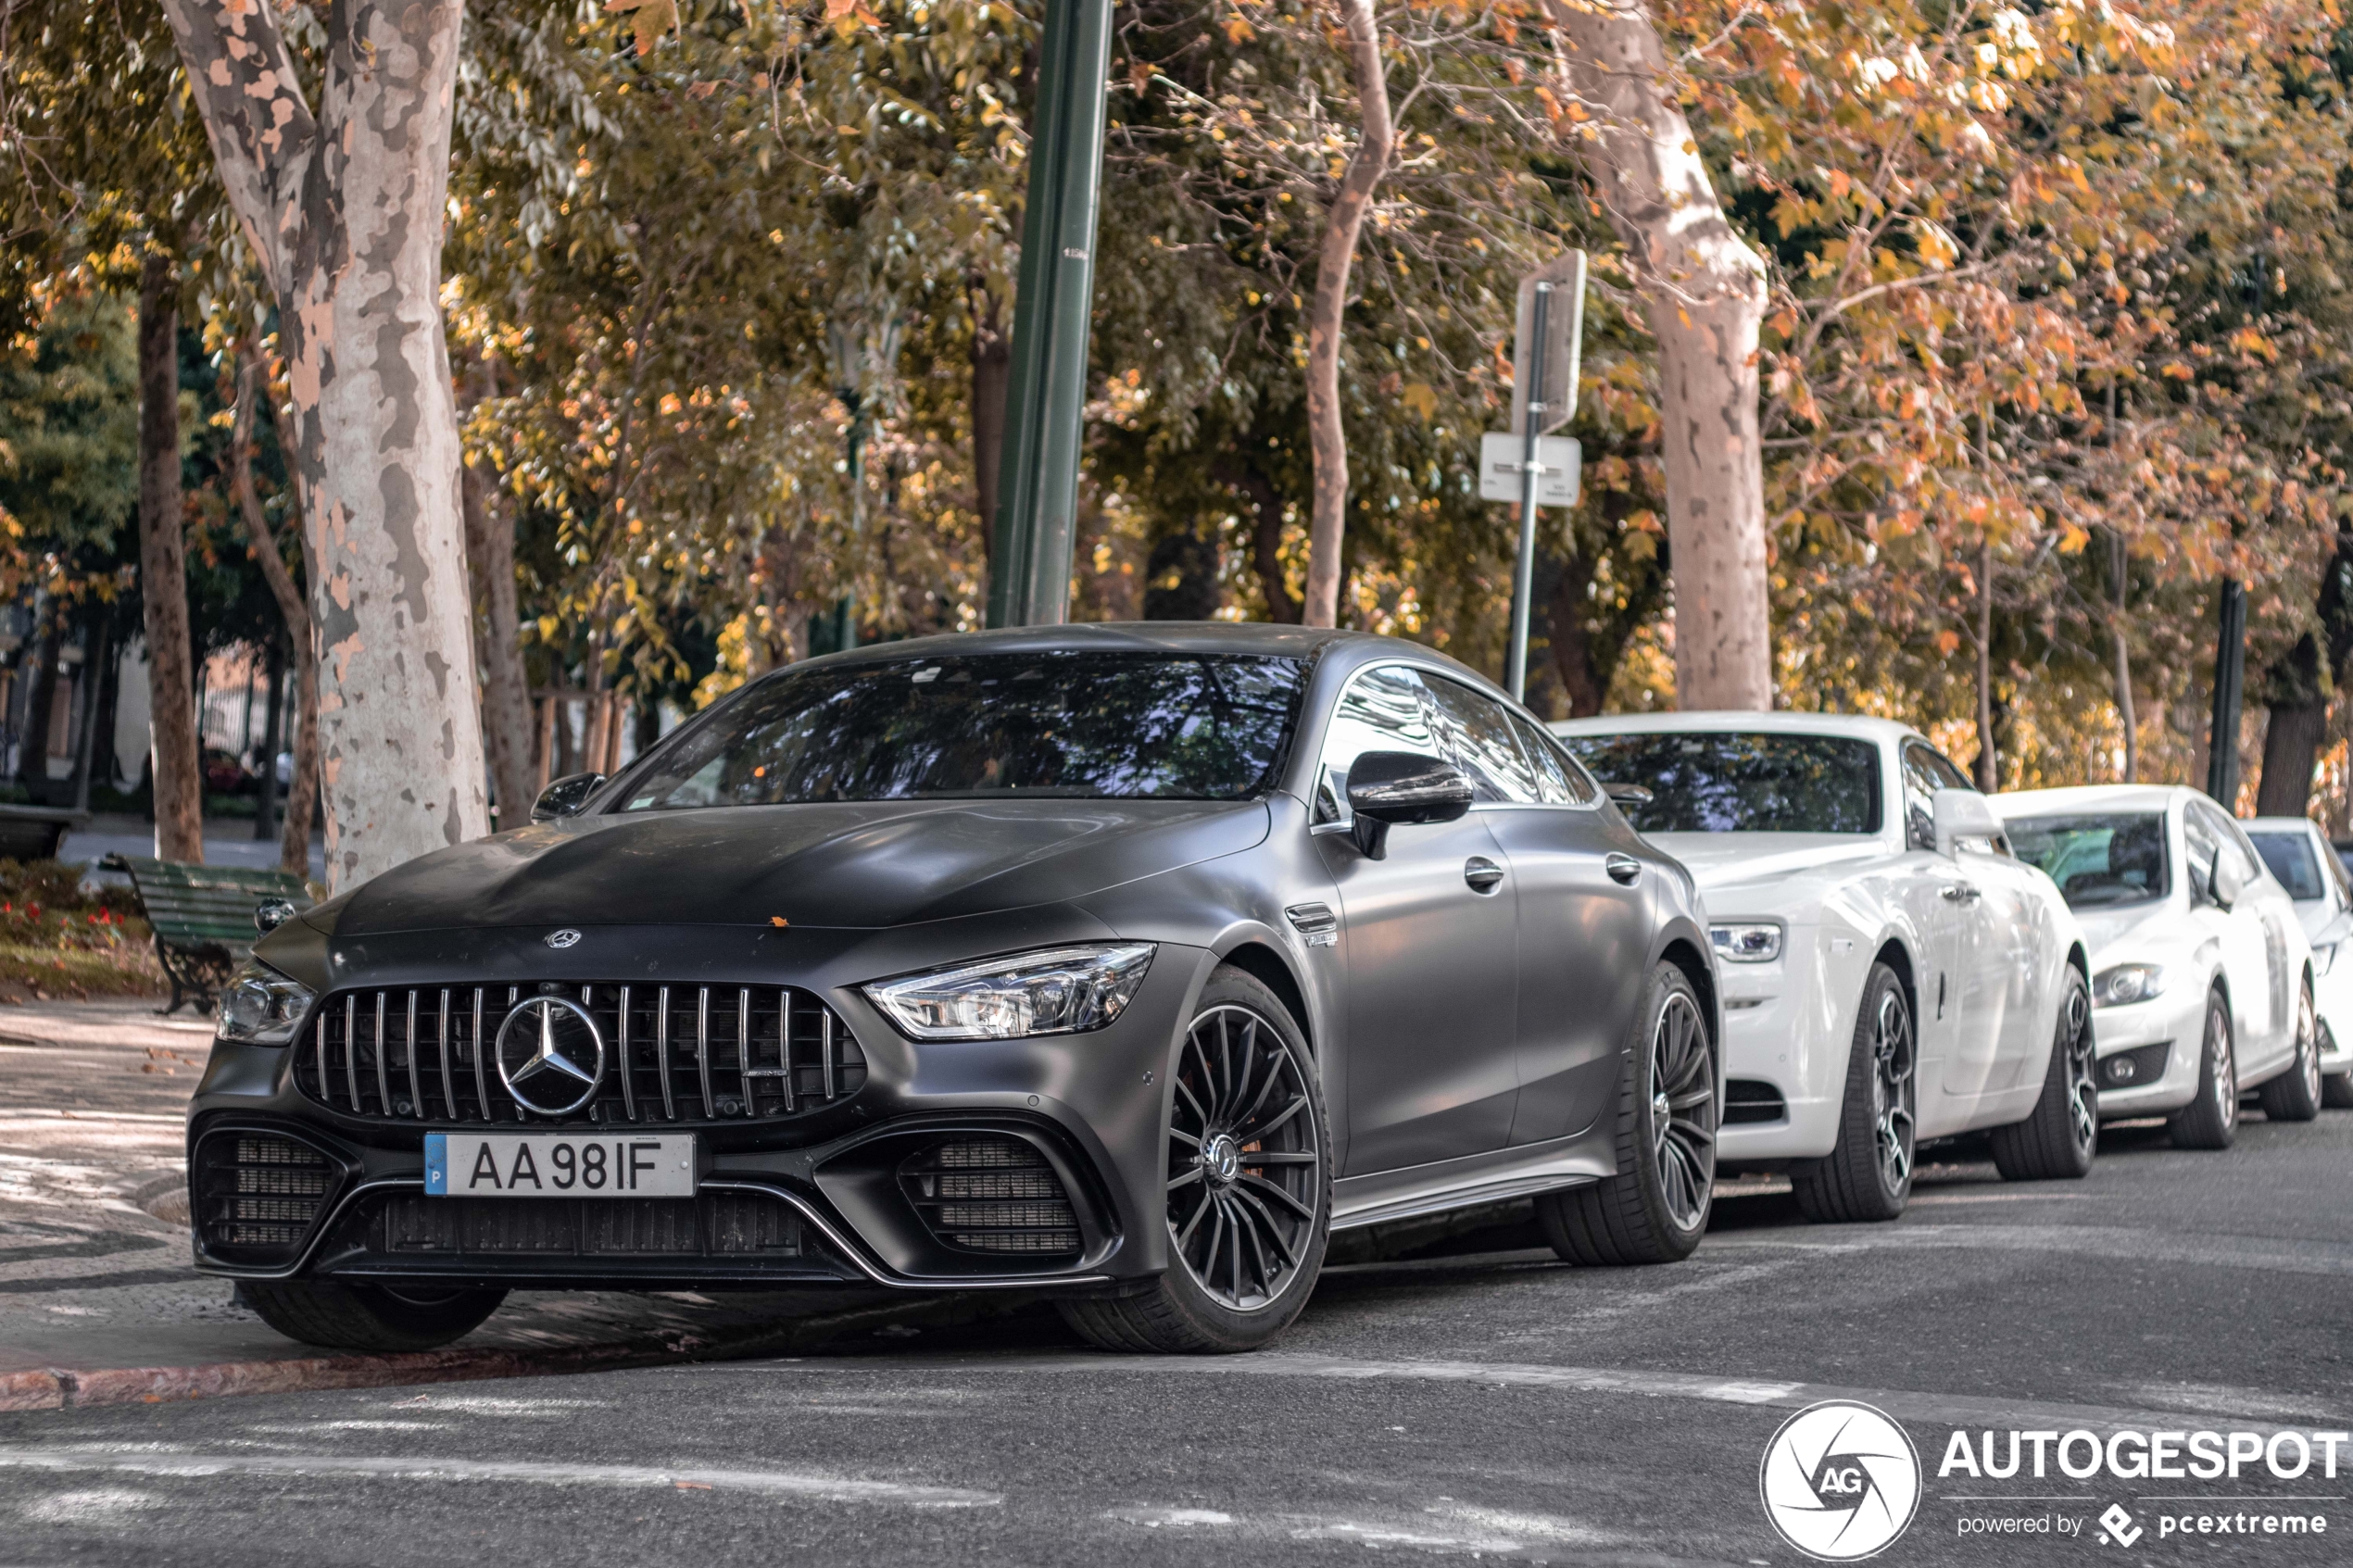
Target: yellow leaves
{"type": "Point", "coordinates": [1238, 31]}
{"type": "Point", "coordinates": [848, 15]}
{"type": "Point", "coordinates": [2246, 340]}
{"type": "Point", "coordinates": [2175, 370]}
{"type": "Point", "coordinates": [1422, 398]}
{"type": "Point", "coordinates": [650, 18]}
{"type": "Point", "coordinates": [2072, 539]}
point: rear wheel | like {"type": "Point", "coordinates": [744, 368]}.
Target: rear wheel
{"type": "Point", "coordinates": [2212, 1121]}
{"type": "Point", "coordinates": [2336, 1089]}
{"type": "Point", "coordinates": [1655, 1210]}
{"type": "Point", "coordinates": [1868, 1175]}
{"type": "Point", "coordinates": [2058, 1141]}
{"type": "Point", "coordinates": [2295, 1094]}
{"type": "Point", "coordinates": [1248, 1185]}
{"type": "Point", "coordinates": [369, 1317]}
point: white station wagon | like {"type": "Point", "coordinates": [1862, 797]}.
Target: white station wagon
{"type": "Point", "coordinates": [1891, 972]}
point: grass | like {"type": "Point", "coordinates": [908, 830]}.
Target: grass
{"type": "Point", "coordinates": [60, 938]}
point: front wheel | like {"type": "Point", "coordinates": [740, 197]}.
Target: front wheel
{"type": "Point", "coordinates": [2295, 1094]}
{"type": "Point", "coordinates": [1867, 1174]}
{"type": "Point", "coordinates": [1655, 1210]}
{"type": "Point", "coordinates": [2057, 1140]}
{"type": "Point", "coordinates": [1248, 1185]}
{"type": "Point", "coordinates": [2336, 1089]}
{"type": "Point", "coordinates": [2212, 1121]}
{"type": "Point", "coordinates": [369, 1317]}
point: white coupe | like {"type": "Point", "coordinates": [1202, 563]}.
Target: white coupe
{"type": "Point", "coordinates": [2313, 874]}
{"type": "Point", "coordinates": [1891, 972]}
{"type": "Point", "coordinates": [2201, 974]}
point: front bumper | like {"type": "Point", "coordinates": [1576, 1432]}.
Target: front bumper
{"type": "Point", "coordinates": [2138, 1031]}
{"type": "Point", "coordinates": [824, 1200]}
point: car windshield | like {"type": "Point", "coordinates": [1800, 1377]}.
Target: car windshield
{"type": "Point", "coordinates": [1066, 724]}
{"type": "Point", "coordinates": [1740, 782]}
{"type": "Point", "coordinates": [2117, 858]}
{"type": "Point", "coordinates": [2291, 859]}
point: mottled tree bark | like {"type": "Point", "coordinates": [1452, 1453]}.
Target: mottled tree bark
{"type": "Point", "coordinates": [294, 838]}
{"type": "Point", "coordinates": [1327, 437]}
{"type": "Point", "coordinates": [163, 572]}
{"type": "Point", "coordinates": [506, 690]}
{"type": "Point", "coordinates": [343, 207]}
{"type": "Point", "coordinates": [2297, 690]}
{"type": "Point", "coordinates": [1704, 292]}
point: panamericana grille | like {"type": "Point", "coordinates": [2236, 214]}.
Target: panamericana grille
{"type": "Point", "coordinates": [255, 1193]}
{"type": "Point", "coordinates": [673, 1053]}
{"type": "Point", "coordinates": [991, 1195]}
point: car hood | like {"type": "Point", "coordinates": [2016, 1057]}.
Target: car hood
{"type": "Point", "coordinates": [1719, 862]}
{"type": "Point", "coordinates": [2139, 934]}
{"type": "Point", "coordinates": [861, 865]}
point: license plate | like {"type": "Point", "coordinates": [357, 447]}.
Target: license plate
{"type": "Point", "coordinates": [559, 1165]}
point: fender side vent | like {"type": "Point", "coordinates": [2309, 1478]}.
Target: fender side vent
{"type": "Point", "coordinates": [1747, 1100]}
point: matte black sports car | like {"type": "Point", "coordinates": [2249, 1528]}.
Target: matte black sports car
{"type": "Point", "coordinates": [1121, 963]}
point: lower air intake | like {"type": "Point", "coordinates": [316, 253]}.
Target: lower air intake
{"type": "Point", "coordinates": [257, 1196]}
{"type": "Point", "coordinates": [991, 1195]}
{"type": "Point", "coordinates": [1746, 1101]}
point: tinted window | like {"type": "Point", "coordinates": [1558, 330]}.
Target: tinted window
{"type": "Point", "coordinates": [2291, 859]}
{"type": "Point", "coordinates": [1064, 724]}
{"type": "Point", "coordinates": [1560, 781]}
{"type": "Point", "coordinates": [1381, 710]}
{"type": "Point", "coordinates": [1735, 783]}
{"type": "Point", "coordinates": [2117, 858]}
{"type": "Point", "coordinates": [1476, 733]}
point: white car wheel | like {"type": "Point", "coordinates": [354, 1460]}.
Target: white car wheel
{"type": "Point", "coordinates": [2211, 1120]}
{"type": "Point", "coordinates": [2295, 1094]}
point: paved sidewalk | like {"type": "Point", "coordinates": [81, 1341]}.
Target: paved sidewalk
{"type": "Point", "coordinates": [98, 1303]}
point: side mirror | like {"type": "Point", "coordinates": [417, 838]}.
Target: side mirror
{"type": "Point", "coordinates": [1963, 813]}
{"type": "Point", "coordinates": [271, 914]}
{"type": "Point", "coordinates": [1394, 788]}
{"type": "Point", "coordinates": [1628, 794]}
{"type": "Point", "coordinates": [2229, 881]}
{"type": "Point", "coordinates": [565, 797]}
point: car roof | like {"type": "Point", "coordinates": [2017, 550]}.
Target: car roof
{"type": "Point", "coordinates": [2094, 797]}
{"type": "Point", "coordinates": [2279, 824]}
{"type": "Point", "coordinates": [1785, 722]}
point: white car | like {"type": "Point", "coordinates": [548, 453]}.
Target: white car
{"type": "Point", "coordinates": [2309, 867]}
{"type": "Point", "coordinates": [2201, 974]}
{"type": "Point", "coordinates": [1890, 973]}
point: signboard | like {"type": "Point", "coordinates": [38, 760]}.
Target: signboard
{"type": "Point", "coordinates": [1559, 459]}
{"type": "Point", "coordinates": [1564, 320]}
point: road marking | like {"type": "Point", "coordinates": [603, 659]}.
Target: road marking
{"type": "Point", "coordinates": [1951, 1410]}
{"type": "Point", "coordinates": [72, 1459]}
{"type": "Point", "coordinates": [2275, 1254]}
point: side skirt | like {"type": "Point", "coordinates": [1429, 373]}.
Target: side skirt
{"type": "Point", "coordinates": [1504, 1174]}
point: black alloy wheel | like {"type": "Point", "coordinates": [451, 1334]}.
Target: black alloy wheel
{"type": "Point", "coordinates": [1656, 1209]}
{"type": "Point", "coordinates": [2060, 1136]}
{"type": "Point", "coordinates": [1247, 1200]}
{"type": "Point", "coordinates": [1867, 1173]}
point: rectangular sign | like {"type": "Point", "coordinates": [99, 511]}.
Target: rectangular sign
{"type": "Point", "coordinates": [560, 1165]}
{"type": "Point", "coordinates": [1560, 458]}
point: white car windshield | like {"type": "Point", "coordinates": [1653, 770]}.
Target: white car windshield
{"type": "Point", "coordinates": [2116, 858]}
{"type": "Point", "coordinates": [1717, 782]}
{"type": "Point", "coordinates": [2291, 859]}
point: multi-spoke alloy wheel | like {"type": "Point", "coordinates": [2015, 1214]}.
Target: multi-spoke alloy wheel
{"type": "Point", "coordinates": [2059, 1136]}
{"type": "Point", "coordinates": [1867, 1173]}
{"type": "Point", "coordinates": [1244, 1169]}
{"type": "Point", "coordinates": [1655, 1210]}
{"type": "Point", "coordinates": [2212, 1121]}
{"type": "Point", "coordinates": [2295, 1094]}
{"type": "Point", "coordinates": [1249, 1198]}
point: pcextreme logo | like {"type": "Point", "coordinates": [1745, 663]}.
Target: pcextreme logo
{"type": "Point", "coordinates": [1840, 1481]}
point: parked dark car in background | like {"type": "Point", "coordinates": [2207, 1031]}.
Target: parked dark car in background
{"type": "Point", "coordinates": [1121, 963]}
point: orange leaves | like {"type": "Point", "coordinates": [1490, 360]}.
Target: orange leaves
{"type": "Point", "coordinates": [650, 18]}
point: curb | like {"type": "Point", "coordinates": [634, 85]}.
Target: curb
{"type": "Point", "coordinates": [61, 1388]}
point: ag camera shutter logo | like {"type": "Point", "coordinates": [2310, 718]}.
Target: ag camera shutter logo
{"type": "Point", "coordinates": [1840, 1481]}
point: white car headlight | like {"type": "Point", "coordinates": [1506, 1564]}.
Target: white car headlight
{"type": "Point", "coordinates": [1746, 941]}
{"type": "Point", "coordinates": [2325, 957]}
{"type": "Point", "coordinates": [260, 1007]}
{"type": "Point", "coordinates": [2125, 983]}
{"type": "Point", "coordinates": [1053, 991]}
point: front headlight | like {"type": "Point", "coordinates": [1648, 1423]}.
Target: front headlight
{"type": "Point", "coordinates": [2325, 957]}
{"type": "Point", "coordinates": [260, 1007]}
{"type": "Point", "coordinates": [1746, 941]}
{"type": "Point", "coordinates": [2126, 983]}
{"type": "Point", "coordinates": [1053, 991]}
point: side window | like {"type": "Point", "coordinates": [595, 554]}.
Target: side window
{"type": "Point", "coordinates": [2200, 845]}
{"type": "Point", "coordinates": [1559, 781]}
{"type": "Point", "coordinates": [1921, 780]}
{"type": "Point", "coordinates": [2237, 844]}
{"type": "Point", "coordinates": [1381, 710]}
{"type": "Point", "coordinates": [1474, 734]}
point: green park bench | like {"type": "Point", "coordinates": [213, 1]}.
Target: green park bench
{"type": "Point", "coordinates": [203, 918]}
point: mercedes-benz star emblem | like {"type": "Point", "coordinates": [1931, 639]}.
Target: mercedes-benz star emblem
{"type": "Point", "coordinates": [564, 938]}
{"type": "Point", "coordinates": [551, 1056]}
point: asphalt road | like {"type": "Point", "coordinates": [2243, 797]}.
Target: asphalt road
{"type": "Point", "coordinates": [1488, 1405]}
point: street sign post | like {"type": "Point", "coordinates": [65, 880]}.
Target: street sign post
{"type": "Point", "coordinates": [1503, 467]}
{"type": "Point", "coordinates": [1545, 351]}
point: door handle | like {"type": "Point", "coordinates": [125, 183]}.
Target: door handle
{"type": "Point", "coordinates": [1483, 875]}
{"type": "Point", "coordinates": [1960, 893]}
{"type": "Point", "coordinates": [1624, 870]}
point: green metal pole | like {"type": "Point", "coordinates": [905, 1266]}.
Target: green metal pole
{"type": "Point", "coordinates": [1029, 559]}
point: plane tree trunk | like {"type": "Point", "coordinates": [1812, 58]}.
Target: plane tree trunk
{"type": "Point", "coordinates": [178, 766]}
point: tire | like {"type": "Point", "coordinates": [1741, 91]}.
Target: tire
{"type": "Point", "coordinates": [1656, 1209]}
{"type": "Point", "coordinates": [2336, 1089]}
{"type": "Point", "coordinates": [2212, 1121]}
{"type": "Point", "coordinates": [369, 1317]}
{"type": "Point", "coordinates": [1214, 1297]}
{"type": "Point", "coordinates": [2295, 1094]}
{"type": "Point", "coordinates": [2057, 1140]}
{"type": "Point", "coordinates": [1868, 1175]}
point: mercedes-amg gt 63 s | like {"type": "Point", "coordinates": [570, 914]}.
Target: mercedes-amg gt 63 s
{"type": "Point", "coordinates": [1119, 965]}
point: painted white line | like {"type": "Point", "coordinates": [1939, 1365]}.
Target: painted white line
{"type": "Point", "coordinates": [2273, 1254]}
{"type": "Point", "coordinates": [1949, 1410]}
{"type": "Point", "coordinates": [770, 1483]}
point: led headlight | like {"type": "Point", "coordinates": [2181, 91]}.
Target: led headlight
{"type": "Point", "coordinates": [1052, 991]}
{"type": "Point", "coordinates": [260, 1007]}
{"type": "Point", "coordinates": [1747, 941]}
{"type": "Point", "coordinates": [2126, 983]}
